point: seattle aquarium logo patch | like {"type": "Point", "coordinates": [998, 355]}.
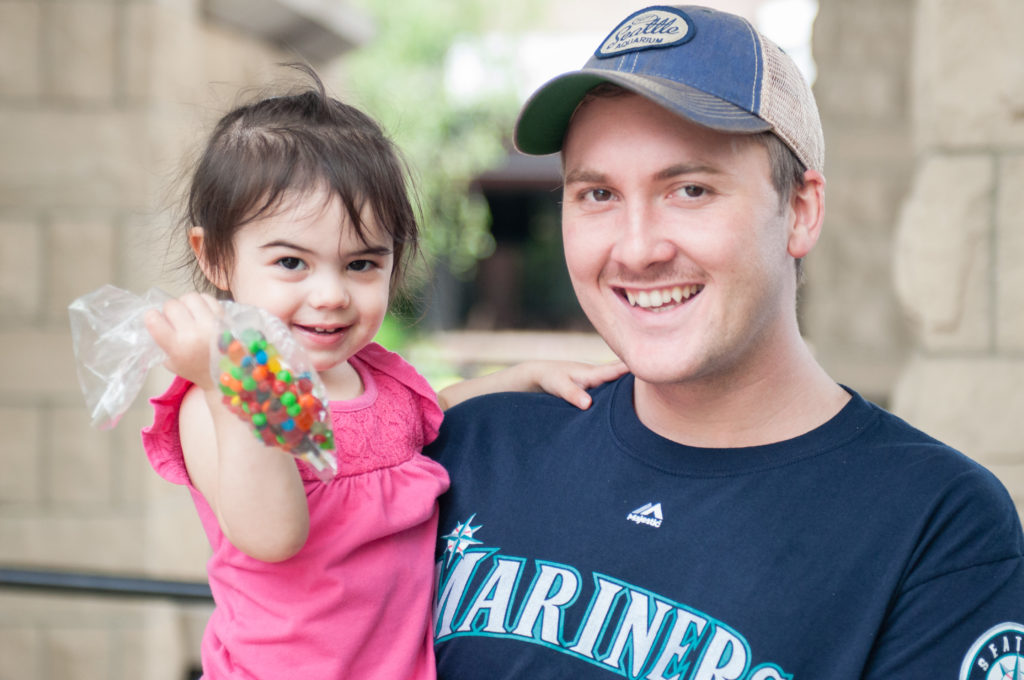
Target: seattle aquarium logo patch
{"type": "Point", "coordinates": [997, 655]}
{"type": "Point", "coordinates": [653, 27]}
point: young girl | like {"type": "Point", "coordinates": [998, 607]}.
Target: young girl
{"type": "Point", "coordinates": [299, 205]}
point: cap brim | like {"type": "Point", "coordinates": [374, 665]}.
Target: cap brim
{"type": "Point", "coordinates": [544, 119]}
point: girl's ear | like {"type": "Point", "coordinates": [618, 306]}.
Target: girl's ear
{"type": "Point", "coordinates": [215, 275]}
{"type": "Point", "coordinates": [808, 205]}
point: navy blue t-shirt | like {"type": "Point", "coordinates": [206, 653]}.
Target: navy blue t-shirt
{"type": "Point", "coordinates": [580, 544]}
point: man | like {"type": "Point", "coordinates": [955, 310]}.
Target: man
{"type": "Point", "coordinates": [728, 510]}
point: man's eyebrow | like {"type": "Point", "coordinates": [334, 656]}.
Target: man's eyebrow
{"type": "Point", "coordinates": [686, 169]}
{"type": "Point", "coordinates": [584, 176]}
{"type": "Point", "coordinates": [594, 177]}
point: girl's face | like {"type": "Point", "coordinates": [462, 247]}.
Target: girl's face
{"type": "Point", "coordinates": [306, 264]}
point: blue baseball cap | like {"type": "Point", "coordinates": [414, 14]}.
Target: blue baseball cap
{"type": "Point", "coordinates": [710, 67]}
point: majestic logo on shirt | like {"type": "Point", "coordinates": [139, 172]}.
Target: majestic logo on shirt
{"type": "Point", "coordinates": [997, 655]}
{"type": "Point", "coordinates": [604, 621]}
{"type": "Point", "coordinates": [649, 514]}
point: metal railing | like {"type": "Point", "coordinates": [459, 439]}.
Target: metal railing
{"type": "Point", "coordinates": [70, 582]}
{"type": "Point", "coordinates": [106, 585]}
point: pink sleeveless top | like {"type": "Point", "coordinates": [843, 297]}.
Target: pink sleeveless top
{"type": "Point", "coordinates": [355, 602]}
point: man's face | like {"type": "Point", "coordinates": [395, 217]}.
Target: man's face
{"type": "Point", "coordinates": [676, 243]}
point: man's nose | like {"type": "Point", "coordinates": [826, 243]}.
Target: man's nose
{"type": "Point", "coordinates": [641, 239]}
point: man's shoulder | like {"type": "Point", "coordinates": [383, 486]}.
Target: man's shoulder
{"type": "Point", "coordinates": [511, 407]}
{"type": "Point", "coordinates": [931, 476]}
{"type": "Point", "coordinates": [901, 441]}
{"type": "Point", "coordinates": [874, 428]}
{"type": "Point", "coordinates": [516, 422]}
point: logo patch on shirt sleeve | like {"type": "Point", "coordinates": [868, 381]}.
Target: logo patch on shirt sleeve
{"type": "Point", "coordinates": [998, 653]}
{"type": "Point", "coordinates": [654, 27]}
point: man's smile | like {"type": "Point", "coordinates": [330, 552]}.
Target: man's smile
{"type": "Point", "coordinates": [661, 297]}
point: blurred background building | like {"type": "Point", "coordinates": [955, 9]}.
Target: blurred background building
{"type": "Point", "coordinates": [914, 296]}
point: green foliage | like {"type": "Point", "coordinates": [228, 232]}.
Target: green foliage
{"type": "Point", "coordinates": [399, 77]}
{"type": "Point", "coordinates": [393, 334]}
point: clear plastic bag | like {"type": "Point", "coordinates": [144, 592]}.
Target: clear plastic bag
{"type": "Point", "coordinates": [113, 349]}
{"type": "Point", "coordinates": [265, 376]}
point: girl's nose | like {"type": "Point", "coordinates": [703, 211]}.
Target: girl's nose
{"type": "Point", "coordinates": [329, 291]}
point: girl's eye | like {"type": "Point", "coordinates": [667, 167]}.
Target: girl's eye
{"type": "Point", "coordinates": [360, 265]}
{"type": "Point", "coordinates": [291, 263]}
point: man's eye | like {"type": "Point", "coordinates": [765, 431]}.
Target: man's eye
{"type": "Point", "coordinates": [599, 195]}
{"type": "Point", "coordinates": [291, 263]}
{"type": "Point", "coordinates": [694, 191]}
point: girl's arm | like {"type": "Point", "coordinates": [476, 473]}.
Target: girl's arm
{"type": "Point", "coordinates": [566, 379]}
{"type": "Point", "coordinates": [254, 490]}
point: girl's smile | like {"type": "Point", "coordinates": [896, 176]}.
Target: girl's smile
{"type": "Point", "coordinates": [320, 335]}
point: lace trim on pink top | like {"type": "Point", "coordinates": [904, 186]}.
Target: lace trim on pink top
{"type": "Point", "coordinates": [362, 426]}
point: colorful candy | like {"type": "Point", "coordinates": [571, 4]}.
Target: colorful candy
{"type": "Point", "coordinates": [282, 406]}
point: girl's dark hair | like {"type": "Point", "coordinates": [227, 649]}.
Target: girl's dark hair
{"type": "Point", "coordinates": [297, 143]}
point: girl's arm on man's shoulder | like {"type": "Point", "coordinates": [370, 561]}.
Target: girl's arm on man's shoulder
{"type": "Point", "coordinates": [569, 380]}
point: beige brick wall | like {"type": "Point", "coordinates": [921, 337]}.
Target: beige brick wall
{"type": "Point", "coordinates": [99, 100]}
{"type": "Point", "coordinates": [924, 119]}
{"type": "Point", "coordinates": [967, 75]}
{"type": "Point", "coordinates": [915, 295]}
{"type": "Point", "coordinates": [849, 311]}
{"type": "Point", "coordinates": [960, 241]}
{"type": "Point", "coordinates": [1009, 253]}
{"type": "Point", "coordinates": [20, 24]}
{"type": "Point", "coordinates": [944, 252]}
{"type": "Point", "coordinates": [93, 638]}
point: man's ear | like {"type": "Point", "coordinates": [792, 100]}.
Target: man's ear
{"type": "Point", "coordinates": [808, 206]}
{"type": "Point", "coordinates": [215, 275]}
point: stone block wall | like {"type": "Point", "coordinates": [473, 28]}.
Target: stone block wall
{"type": "Point", "coordinates": [99, 101]}
{"type": "Point", "coordinates": [959, 250]}
{"type": "Point", "coordinates": [849, 309]}
{"type": "Point", "coordinates": [914, 296]}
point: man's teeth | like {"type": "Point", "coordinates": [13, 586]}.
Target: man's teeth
{"type": "Point", "coordinates": [657, 298]}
